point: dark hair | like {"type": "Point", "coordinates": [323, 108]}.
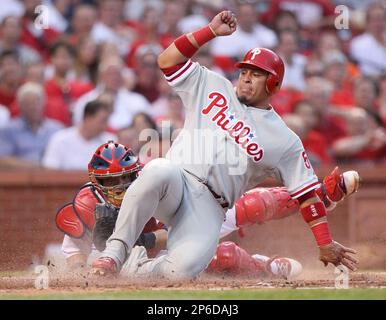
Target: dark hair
{"type": "Point", "coordinates": [374, 6]}
{"type": "Point", "coordinates": [280, 33]}
{"type": "Point", "coordinates": [62, 44]}
{"type": "Point", "coordinates": [5, 19]}
{"type": "Point", "coordinates": [9, 53]}
{"type": "Point", "coordinates": [375, 116]}
{"type": "Point", "coordinates": [148, 118]}
{"type": "Point", "coordinates": [93, 107]}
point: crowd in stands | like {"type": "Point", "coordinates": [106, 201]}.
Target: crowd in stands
{"type": "Point", "coordinates": [90, 74]}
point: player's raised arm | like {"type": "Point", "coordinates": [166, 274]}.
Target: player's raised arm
{"type": "Point", "coordinates": [184, 47]}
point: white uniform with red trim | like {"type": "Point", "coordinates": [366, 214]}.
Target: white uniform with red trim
{"type": "Point", "coordinates": [224, 149]}
{"type": "Point", "coordinates": [241, 145]}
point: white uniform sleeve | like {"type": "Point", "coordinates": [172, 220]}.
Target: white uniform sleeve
{"type": "Point", "coordinates": [72, 246]}
{"type": "Point", "coordinates": [188, 82]}
{"type": "Point", "coordinates": [296, 171]}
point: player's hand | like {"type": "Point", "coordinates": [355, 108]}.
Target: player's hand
{"type": "Point", "coordinates": [224, 23]}
{"type": "Point", "coordinates": [337, 254]}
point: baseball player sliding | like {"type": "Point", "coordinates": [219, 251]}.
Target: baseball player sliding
{"type": "Point", "coordinates": [191, 194]}
{"type": "Point", "coordinates": [88, 221]}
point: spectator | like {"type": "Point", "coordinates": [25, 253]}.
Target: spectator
{"type": "Point", "coordinates": [126, 103]}
{"type": "Point", "coordinates": [71, 148]}
{"type": "Point", "coordinates": [315, 143]}
{"type": "Point", "coordinates": [39, 39]}
{"type": "Point", "coordinates": [365, 141]}
{"type": "Point", "coordinates": [226, 49]}
{"type": "Point", "coordinates": [369, 49]}
{"type": "Point", "coordinates": [147, 73]}
{"type": "Point", "coordinates": [335, 71]}
{"type": "Point", "coordinates": [35, 73]}
{"type": "Point", "coordinates": [148, 37]}
{"type": "Point", "coordinates": [86, 62]}
{"type": "Point", "coordinates": [83, 20]}
{"type": "Point", "coordinates": [310, 13]}
{"type": "Point", "coordinates": [313, 68]}
{"type": "Point", "coordinates": [318, 94]}
{"type": "Point", "coordinates": [294, 62]}
{"type": "Point", "coordinates": [111, 27]}
{"type": "Point", "coordinates": [5, 116]}
{"type": "Point", "coordinates": [129, 137]}
{"type": "Point", "coordinates": [24, 139]}
{"type": "Point", "coordinates": [57, 10]}
{"type": "Point", "coordinates": [286, 21]}
{"type": "Point", "coordinates": [10, 41]}
{"type": "Point", "coordinates": [175, 112]}
{"type": "Point", "coordinates": [61, 87]}
{"type": "Point", "coordinates": [172, 14]}
{"type": "Point", "coordinates": [381, 100]}
{"type": "Point", "coordinates": [148, 137]}
{"type": "Point", "coordinates": [194, 17]}
{"type": "Point", "coordinates": [11, 77]}
{"type": "Point", "coordinates": [365, 93]}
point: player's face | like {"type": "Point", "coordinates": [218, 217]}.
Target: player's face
{"type": "Point", "coordinates": [251, 86]}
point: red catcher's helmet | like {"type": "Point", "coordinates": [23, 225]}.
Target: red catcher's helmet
{"type": "Point", "coordinates": [112, 169]}
{"type": "Point", "coordinates": [267, 60]}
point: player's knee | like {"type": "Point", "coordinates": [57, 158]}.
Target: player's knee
{"type": "Point", "coordinates": [187, 269]}
{"type": "Point", "coordinates": [160, 170]}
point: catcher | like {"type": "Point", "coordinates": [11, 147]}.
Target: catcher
{"type": "Point", "coordinates": [89, 220]}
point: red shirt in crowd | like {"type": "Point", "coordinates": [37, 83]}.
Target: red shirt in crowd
{"type": "Point", "coordinates": [316, 144]}
{"type": "Point", "coordinates": [59, 101]}
{"type": "Point", "coordinates": [41, 44]}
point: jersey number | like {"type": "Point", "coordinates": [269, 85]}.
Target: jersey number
{"type": "Point", "coordinates": [306, 161]}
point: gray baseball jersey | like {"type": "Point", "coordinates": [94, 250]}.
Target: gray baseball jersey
{"type": "Point", "coordinates": [230, 146]}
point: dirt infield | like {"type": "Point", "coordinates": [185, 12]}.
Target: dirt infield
{"type": "Point", "coordinates": [24, 284]}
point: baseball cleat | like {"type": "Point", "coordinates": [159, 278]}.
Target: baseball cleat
{"type": "Point", "coordinates": [338, 186]}
{"type": "Point", "coordinates": [104, 266]}
{"type": "Point", "coordinates": [284, 268]}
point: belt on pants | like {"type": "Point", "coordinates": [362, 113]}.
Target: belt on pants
{"type": "Point", "coordinates": [221, 201]}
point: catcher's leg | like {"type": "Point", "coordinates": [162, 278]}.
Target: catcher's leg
{"type": "Point", "coordinates": [233, 260]}
{"type": "Point", "coordinates": [263, 204]}
{"type": "Point", "coordinates": [158, 190]}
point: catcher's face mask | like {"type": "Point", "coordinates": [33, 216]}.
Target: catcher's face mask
{"type": "Point", "coordinates": [114, 188]}
{"type": "Point", "coordinates": [112, 169]}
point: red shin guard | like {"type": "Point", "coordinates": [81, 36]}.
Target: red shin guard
{"type": "Point", "coordinates": [263, 204]}
{"type": "Point", "coordinates": [232, 259]}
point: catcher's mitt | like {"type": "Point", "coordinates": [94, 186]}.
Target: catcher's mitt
{"type": "Point", "coordinates": [105, 218]}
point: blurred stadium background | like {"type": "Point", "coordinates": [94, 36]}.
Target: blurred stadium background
{"type": "Point", "coordinates": [56, 59]}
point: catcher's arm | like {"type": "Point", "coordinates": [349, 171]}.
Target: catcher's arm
{"type": "Point", "coordinates": [186, 46]}
{"type": "Point", "coordinates": [330, 251]}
